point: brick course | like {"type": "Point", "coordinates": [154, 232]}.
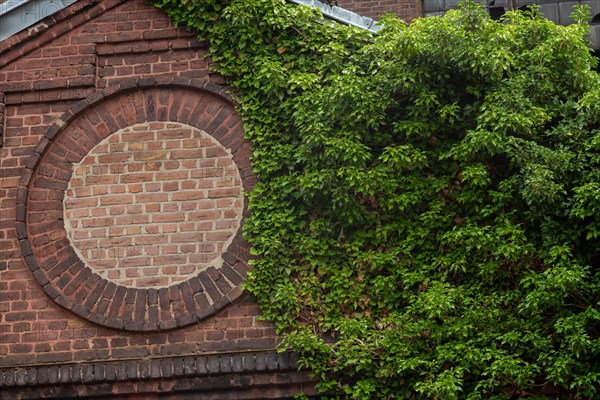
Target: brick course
{"type": "Point", "coordinates": [248, 375]}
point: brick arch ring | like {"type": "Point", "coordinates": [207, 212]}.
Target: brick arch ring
{"type": "Point", "coordinates": [129, 211]}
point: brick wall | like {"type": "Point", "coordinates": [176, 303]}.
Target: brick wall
{"type": "Point", "coordinates": [122, 169]}
{"type": "Point", "coordinates": [154, 204]}
{"type": "Point", "coordinates": [406, 10]}
{"type": "Point", "coordinates": [2, 107]}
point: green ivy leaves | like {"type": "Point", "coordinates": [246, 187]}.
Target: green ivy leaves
{"type": "Point", "coordinates": [426, 219]}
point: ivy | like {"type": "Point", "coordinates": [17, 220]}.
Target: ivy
{"type": "Point", "coordinates": [426, 219]}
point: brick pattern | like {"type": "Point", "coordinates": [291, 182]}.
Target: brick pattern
{"type": "Point", "coordinates": [150, 56]}
{"type": "Point", "coordinates": [252, 375]}
{"type": "Point", "coordinates": [406, 10]}
{"type": "Point", "coordinates": [34, 330]}
{"type": "Point", "coordinates": [150, 368]}
{"type": "Point", "coordinates": [40, 224]}
{"type": "Point", "coordinates": [153, 204]}
{"type": "Point", "coordinates": [2, 110]}
{"type": "Point", "coordinates": [126, 39]}
{"type": "Point", "coordinates": [57, 338]}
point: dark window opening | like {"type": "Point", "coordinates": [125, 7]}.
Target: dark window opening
{"type": "Point", "coordinates": [496, 13]}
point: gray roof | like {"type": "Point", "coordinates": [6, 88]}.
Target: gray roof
{"type": "Point", "coordinates": [17, 15]}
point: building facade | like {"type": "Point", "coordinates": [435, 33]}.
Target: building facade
{"type": "Point", "coordinates": [123, 168]}
{"type": "Point", "coordinates": [122, 171]}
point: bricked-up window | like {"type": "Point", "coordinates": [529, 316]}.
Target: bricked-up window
{"type": "Point", "coordinates": [130, 215]}
{"type": "Point", "coordinates": [153, 205]}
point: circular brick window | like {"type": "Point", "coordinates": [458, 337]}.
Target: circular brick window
{"type": "Point", "coordinates": [153, 204]}
{"type": "Point", "coordinates": [129, 212]}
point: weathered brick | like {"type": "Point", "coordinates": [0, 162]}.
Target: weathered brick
{"type": "Point", "coordinates": [117, 301]}
{"type": "Point", "coordinates": [32, 376]}
{"type": "Point", "coordinates": [42, 375]}
{"type": "Point", "coordinates": [189, 366]}
{"type": "Point", "coordinates": [260, 362]}
{"type": "Point", "coordinates": [212, 365]}
{"type": "Point", "coordinates": [121, 371]}
{"type": "Point", "coordinates": [99, 372]}
{"type": "Point", "coordinates": [272, 362]}
{"type": "Point", "coordinates": [225, 364]}
{"type": "Point", "coordinates": [53, 374]}
{"type": "Point", "coordinates": [202, 365]}
{"type": "Point", "coordinates": [230, 273]}
{"type": "Point", "coordinates": [249, 363]}
{"type": "Point", "coordinates": [209, 286]}
{"type": "Point", "coordinates": [8, 377]}
{"type": "Point", "coordinates": [166, 367]}
{"type": "Point", "coordinates": [182, 219]}
{"type": "Point", "coordinates": [94, 294]}
{"type": "Point", "coordinates": [110, 372]}
{"type": "Point", "coordinates": [132, 370]}
{"type": "Point", "coordinates": [140, 304]}
{"type": "Point", "coordinates": [65, 373]}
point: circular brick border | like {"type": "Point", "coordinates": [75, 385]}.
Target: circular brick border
{"type": "Point", "coordinates": [39, 220]}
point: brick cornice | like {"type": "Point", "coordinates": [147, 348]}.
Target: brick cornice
{"type": "Point", "coordinates": [58, 270]}
{"type": "Point", "coordinates": [198, 374]}
{"type": "Point", "coordinates": [199, 365]}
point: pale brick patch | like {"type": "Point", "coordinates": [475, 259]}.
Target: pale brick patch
{"type": "Point", "coordinates": [153, 204]}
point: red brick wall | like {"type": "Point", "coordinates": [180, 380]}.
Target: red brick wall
{"type": "Point", "coordinates": [154, 204]}
{"type": "Point", "coordinates": [68, 328]}
{"type": "Point", "coordinates": [406, 10]}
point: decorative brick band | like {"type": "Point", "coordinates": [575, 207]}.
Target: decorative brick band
{"type": "Point", "coordinates": [146, 369]}
{"type": "Point", "coordinates": [253, 375]}
{"type": "Point", "coordinates": [45, 243]}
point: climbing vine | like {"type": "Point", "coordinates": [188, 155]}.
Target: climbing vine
{"type": "Point", "coordinates": [427, 215]}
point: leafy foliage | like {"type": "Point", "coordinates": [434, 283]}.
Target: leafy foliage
{"type": "Point", "coordinates": [427, 216]}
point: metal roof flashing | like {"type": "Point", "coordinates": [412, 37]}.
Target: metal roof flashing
{"type": "Point", "coordinates": [342, 15]}
{"type": "Point", "coordinates": [18, 15]}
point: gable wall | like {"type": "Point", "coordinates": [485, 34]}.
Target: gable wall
{"type": "Point", "coordinates": [49, 348]}
{"type": "Point", "coordinates": [48, 342]}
